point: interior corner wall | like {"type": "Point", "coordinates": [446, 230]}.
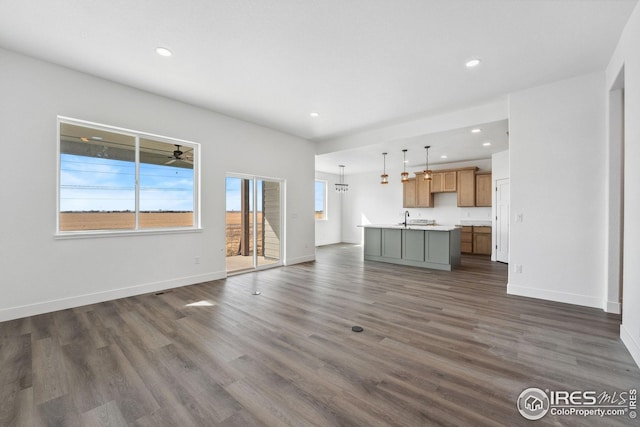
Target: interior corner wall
{"type": "Point", "coordinates": [557, 157]}
{"type": "Point", "coordinates": [41, 273]}
{"type": "Point", "coordinates": [329, 231]}
{"type": "Point", "coordinates": [627, 55]}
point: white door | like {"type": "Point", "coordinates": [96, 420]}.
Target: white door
{"type": "Point", "coordinates": [502, 220]}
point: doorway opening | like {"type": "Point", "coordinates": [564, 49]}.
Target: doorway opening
{"type": "Point", "coordinates": [253, 223]}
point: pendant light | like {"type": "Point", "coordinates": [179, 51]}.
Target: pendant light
{"type": "Point", "coordinates": [341, 187]}
{"type": "Point", "coordinates": [427, 172]}
{"type": "Point", "coordinates": [384, 178]}
{"type": "Point", "coordinates": [404, 174]}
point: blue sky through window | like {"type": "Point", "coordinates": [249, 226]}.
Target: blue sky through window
{"type": "Point", "coordinates": [98, 184]}
{"type": "Point", "coordinates": [234, 194]}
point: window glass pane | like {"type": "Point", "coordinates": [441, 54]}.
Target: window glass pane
{"type": "Point", "coordinates": [166, 184]}
{"type": "Point", "coordinates": [321, 199]}
{"type": "Point", "coordinates": [234, 216]}
{"type": "Point", "coordinates": [270, 222]}
{"type": "Point", "coordinates": [97, 179]}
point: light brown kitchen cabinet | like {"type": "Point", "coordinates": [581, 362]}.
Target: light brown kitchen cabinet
{"type": "Point", "coordinates": [466, 240]}
{"type": "Point", "coordinates": [444, 182]}
{"type": "Point", "coordinates": [483, 189]}
{"type": "Point", "coordinates": [409, 193]}
{"type": "Point", "coordinates": [475, 240]}
{"type": "Point", "coordinates": [482, 240]}
{"type": "Point", "coordinates": [466, 182]}
{"type": "Point", "coordinates": [472, 188]}
{"type": "Point", "coordinates": [424, 197]}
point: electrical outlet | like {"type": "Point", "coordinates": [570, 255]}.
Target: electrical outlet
{"type": "Point", "coordinates": [517, 268]}
{"type": "Point", "coordinates": [197, 260]}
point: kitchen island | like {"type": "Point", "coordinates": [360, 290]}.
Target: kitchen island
{"type": "Point", "coordinates": [432, 246]}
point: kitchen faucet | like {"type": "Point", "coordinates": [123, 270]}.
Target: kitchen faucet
{"type": "Point", "coordinates": [406, 214]}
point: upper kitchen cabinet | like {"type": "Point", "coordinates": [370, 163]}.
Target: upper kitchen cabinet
{"type": "Point", "coordinates": [473, 188]}
{"type": "Point", "coordinates": [483, 189]}
{"type": "Point", "coordinates": [409, 193]}
{"type": "Point", "coordinates": [466, 182]}
{"type": "Point", "coordinates": [444, 182]}
{"type": "Point", "coordinates": [424, 196]}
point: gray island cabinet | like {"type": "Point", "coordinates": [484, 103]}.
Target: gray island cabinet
{"type": "Point", "coordinates": [436, 247]}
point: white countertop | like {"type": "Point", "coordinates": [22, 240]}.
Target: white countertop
{"type": "Point", "coordinates": [411, 227]}
{"type": "Point", "coordinates": [475, 222]}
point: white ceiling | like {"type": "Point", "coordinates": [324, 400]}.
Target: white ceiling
{"type": "Point", "coordinates": [358, 63]}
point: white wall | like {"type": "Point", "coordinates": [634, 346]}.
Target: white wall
{"type": "Point", "coordinates": [329, 231]}
{"type": "Point", "coordinates": [500, 165]}
{"type": "Point", "coordinates": [40, 273]}
{"type": "Point", "coordinates": [627, 54]}
{"type": "Point", "coordinates": [370, 202]}
{"type": "Point", "coordinates": [557, 164]}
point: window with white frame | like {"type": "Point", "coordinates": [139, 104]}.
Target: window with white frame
{"type": "Point", "coordinates": [321, 199]}
{"type": "Point", "coordinates": [112, 179]}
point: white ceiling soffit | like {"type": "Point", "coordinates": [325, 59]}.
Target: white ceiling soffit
{"type": "Point", "coordinates": [457, 145]}
{"type": "Point", "coordinates": [357, 63]}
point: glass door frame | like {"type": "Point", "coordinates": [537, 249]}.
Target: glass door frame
{"type": "Point", "coordinates": [254, 198]}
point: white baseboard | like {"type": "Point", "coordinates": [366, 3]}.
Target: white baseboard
{"type": "Point", "coordinates": [632, 344]}
{"type": "Point", "coordinates": [308, 258]}
{"type": "Point", "coordinates": [613, 307]}
{"type": "Point", "coordinates": [569, 298]}
{"type": "Point", "coordinates": [80, 300]}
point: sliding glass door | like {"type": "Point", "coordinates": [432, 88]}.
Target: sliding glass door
{"type": "Point", "coordinates": [253, 223]}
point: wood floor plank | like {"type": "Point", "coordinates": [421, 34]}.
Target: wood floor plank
{"type": "Point", "coordinates": [173, 416]}
{"type": "Point", "coordinates": [15, 377]}
{"type": "Point", "coordinates": [264, 406]}
{"type": "Point", "coordinates": [118, 382]}
{"type": "Point", "coordinates": [93, 326]}
{"type": "Point", "coordinates": [438, 348]}
{"type": "Point", "coordinates": [50, 380]}
{"type": "Point", "coordinates": [212, 399]}
{"type": "Point", "coordinates": [61, 411]}
{"type": "Point", "coordinates": [107, 415]}
{"type": "Point", "coordinates": [24, 417]}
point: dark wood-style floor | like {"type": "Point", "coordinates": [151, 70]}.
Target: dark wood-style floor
{"type": "Point", "coordinates": [438, 348]}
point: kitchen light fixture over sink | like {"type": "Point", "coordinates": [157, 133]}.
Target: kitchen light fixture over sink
{"type": "Point", "coordinates": [427, 172]}
{"type": "Point", "coordinates": [384, 178]}
{"type": "Point", "coordinates": [404, 174]}
{"type": "Point", "coordinates": [341, 187]}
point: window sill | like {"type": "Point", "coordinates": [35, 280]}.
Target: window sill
{"type": "Point", "coordinates": [91, 234]}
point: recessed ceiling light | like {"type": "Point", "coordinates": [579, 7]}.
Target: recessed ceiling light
{"type": "Point", "coordinates": [486, 144]}
{"type": "Point", "coordinates": [476, 130]}
{"type": "Point", "coordinates": [163, 51]}
{"type": "Point", "coordinates": [314, 114]}
{"type": "Point", "coordinates": [472, 63]}
{"type": "Point", "coordinates": [444, 156]}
